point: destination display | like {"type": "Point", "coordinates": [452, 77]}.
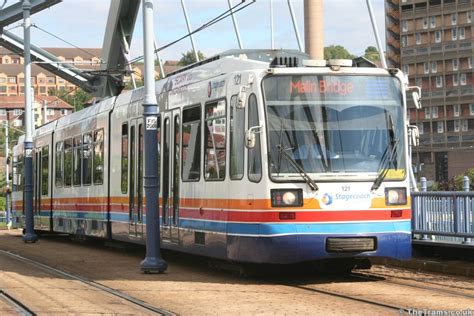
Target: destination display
{"type": "Point", "coordinates": [331, 88]}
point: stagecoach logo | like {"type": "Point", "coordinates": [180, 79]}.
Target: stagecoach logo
{"type": "Point", "coordinates": [327, 199]}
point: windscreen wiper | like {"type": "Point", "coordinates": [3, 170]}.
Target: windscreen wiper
{"type": "Point", "coordinates": [303, 174]}
{"type": "Point", "coordinates": [389, 155]}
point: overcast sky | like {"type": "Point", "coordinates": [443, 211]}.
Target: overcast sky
{"type": "Point", "coordinates": [82, 22]}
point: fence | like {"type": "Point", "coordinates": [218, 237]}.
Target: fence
{"type": "Point", "coordinates": [444, 216]}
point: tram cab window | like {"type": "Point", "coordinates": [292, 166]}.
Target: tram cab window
{"type": "Point", "coordinates": [215, 138]}
{"type": "Point", "coordinates": [44, 170]}
{"type": "Point", "coordinates": [237, 130]}
{"type": "Point", "coordinates": [124, 161]}
{"type": "Point", "coordinates": [77, 150]}
{"type": "Point", "coordinates": [99, 156]}
{"type": "Point", "coordinates": [254, 154]}
{"type": "Point", "coordinates": [86, 159]}
{"type": "Point", "coordinates": [59, 166]}
{"type": "Point", "coordinates": [191, 139]}
{"type": "Point", "coordinates": [68, 162]}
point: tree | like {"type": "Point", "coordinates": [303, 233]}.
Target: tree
{"type": "Point", "coordinates": [372, 54]}
{"type": "Point", "coordinates": [76, 99]}
{"type": "Point", "coordinates": [189, 58]}
{"type": "Point", "coordinates": [337, 52]}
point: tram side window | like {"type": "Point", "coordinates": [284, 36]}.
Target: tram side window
{"type": "Point", "coordinates": [59, 167]}
{"type": "Point", "coordinates": [20, 177]}
{"type": "Point", "coordinates": [237, 126]}
{"type": "Point", "coordinates": [76, 174]}
{"type": "Point", "coordinates": [68, 162]}
{"type": "Point", "coordinates": [124, 178]}
{"type": "Point", "coordinates": [99, 156]}
{"type": "Point", "coordinates": [44, 170]}
{"type": "Point", "coordinates": [15, 174]}
{"type": "Point", "coordinates": [254, 154]}
{"type": "Point", "coordinates": [215, 134]}
{"type": "Point", "coordinates": [191, 154]}
{"type": "Point", "coordinates": [86, 159]}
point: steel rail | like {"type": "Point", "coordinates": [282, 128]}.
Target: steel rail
{"type": "Point", "coordinates": [373, 276]}
{"type": "Point", "coordinates": [135, 301]}
{"type": "Point", "coordinates": [17, 305]}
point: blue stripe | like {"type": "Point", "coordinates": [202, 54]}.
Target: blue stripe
{"type": "Point", "coordinates": [280, 229]}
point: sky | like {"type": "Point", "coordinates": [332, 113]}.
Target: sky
{"type": "Point", "coordinates": [82, 23]}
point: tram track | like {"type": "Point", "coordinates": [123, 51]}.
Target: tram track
{"type": "Point", "coordinates": [371, 276]}
{"type": "Point", "coordinates": [18, 307]}
{"type": "Point", "coordinates": [134, 301]}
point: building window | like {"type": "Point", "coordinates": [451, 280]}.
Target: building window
{"type": "Point", "coordinates": [454, 18]}
{"type": "Point", "coordinates": [17, 111]}
{"type": "Point", "coordinates": [471, 109]}
{"type": "Point", "coordinates": [406, 69]}
{"type": "Point", "coordinates": [439, 81]}
{"type": "Point", "coordinates": [420, 128]}
{"type": "Point", "coordinates": [433, 21]}
{"type": "Point", "coordinates": [426, 68]}
{"type": "Point", "coordinates": [434, 67]}
{"type": "Point", "coordinates": [3, 89]}
{"type": "Point", "coordinates": [438, 37]}
{"type": "Point", "coordinates": [434, 112]}
{"type": "Point", "coordinates": [50, 112]}
{"type": "Point", "coordinates": [425, 23]}
{"type": "Point", "coordinates": [3, 80]}
{"type": "Point", "coordinates": [64, 112]}
{"type": "Point", "coordinates": [469, 62]}
{"type": "Point", "coordinates": [463, 79]}
{"type": "Point", "coordinates": [455, 64]}
{"type": "Point", "coordinates": [464, 126]}
{"type": "Point", "coordinates": [404, 26]}
{"type": "Point", "coordinates": [11, 79]}
{"type": "Point", "coordinates": [12, 89]}
{"type": "Point", "coordinates": [455, 80]}
{"type": "Point", "coordinates": [404, 41]}
{"type": "Point", "coordinates": [456, 110]}
{"type": "Point", "coordinates": [454, 34]}
{"type": "Point", "coordinates": [440, 126]}
{"type": "Point", "coordinates": [457, 125]}
{"type": "Point", "coordinates": [462, 33]}
{"type": "Point", "coordinates": [469, 16]}
{"type": "Point", "coordinates": [427, 113]}
{"type": "Point", "coordinates": [419, 82]}
{"type": "Point", "coordinates": [3, 112]}
{"type": "Point", "coordinates": [418, 38]}
{"type": "Point", "coordinates": [18, 123]}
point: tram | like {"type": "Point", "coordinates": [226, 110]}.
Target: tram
{"type": "Point", "coordinates": [263, 157]}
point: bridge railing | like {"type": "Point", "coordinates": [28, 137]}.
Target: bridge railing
{"type": "Point", "coordinates": [444, 216]}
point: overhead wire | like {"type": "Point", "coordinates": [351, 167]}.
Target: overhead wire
{"type": "Point", "coordinates": [238, 7]}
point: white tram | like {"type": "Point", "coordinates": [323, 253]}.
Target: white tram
{"type": "Point", "coordinates": [262, 160]}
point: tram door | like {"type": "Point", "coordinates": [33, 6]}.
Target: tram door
{"type": "Point", "coordinates": [136, 179]}
{"type": "Point", "coordinates": [171, 175]}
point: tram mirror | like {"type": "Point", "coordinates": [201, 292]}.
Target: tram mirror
{"type": "Point", "coordinates": [416, 95]}
{"type": "Point", "coordinates": [415, 135]}
{"type": "Point", "coordinates": [241, 98]}
{"type": "Point", "coordinates": [250, 137]}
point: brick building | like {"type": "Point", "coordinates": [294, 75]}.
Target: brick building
{"type": "Point", "coordinates": [432, 42]}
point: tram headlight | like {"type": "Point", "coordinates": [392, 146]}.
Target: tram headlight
{"type": "Point", "coordinates": [287, 197]}
{"type": "Point", "coordinates": [395, 196]}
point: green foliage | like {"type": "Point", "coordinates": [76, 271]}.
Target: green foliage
{"type": "Point", "coordinates": [189, 58]}
{"type": "Point", "coordinates": [460, 178]}
{"type": "Point", "coordinates": [372, 54]}
{"type": "Point", "coordinates": [129, 85]}
{"type": "Point", "coordinates": [337, 52]}
{"type": "Point", "coordinates": [3, 203]}
{"type": "Point", "coordinates": [76, 99]}
{"type": "Point", "coordinates": [13, 134]}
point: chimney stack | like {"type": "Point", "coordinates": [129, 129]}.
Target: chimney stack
{"type": "Point", "coordinates": [314, 28]}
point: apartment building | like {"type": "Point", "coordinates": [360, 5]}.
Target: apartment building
{"type": "Point", "coordinates": [432, 42]}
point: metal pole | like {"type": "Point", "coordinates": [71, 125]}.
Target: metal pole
{"type": "Point", "coordinates": [295, 26]}
{"type": "Point", "coordinates": [162, 71]}
{"type": "Point", "coordinates": [422, 214]}
{"type": "Point", "coordinates": [236, 28]}
{"type": "Point", "coordinates": [45, 109]}
{"type": "Point", "coordinates": [376, 33]}
{"type": "Point", "coordinates": [271, 24]}
{"type": "Point", "coordinates": [467, 216]}
{"type": "Point", "coordinates": [153, 262]}
{"type": "Point", "coordinates": [189, 30]}
{"type": "Point", "coordinates": [7, 171]}
{"type": "Point", "coordinates": [30, 235]}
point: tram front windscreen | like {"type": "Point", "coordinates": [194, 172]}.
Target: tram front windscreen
{"type": "Point", "coordinates": [335, 127]}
